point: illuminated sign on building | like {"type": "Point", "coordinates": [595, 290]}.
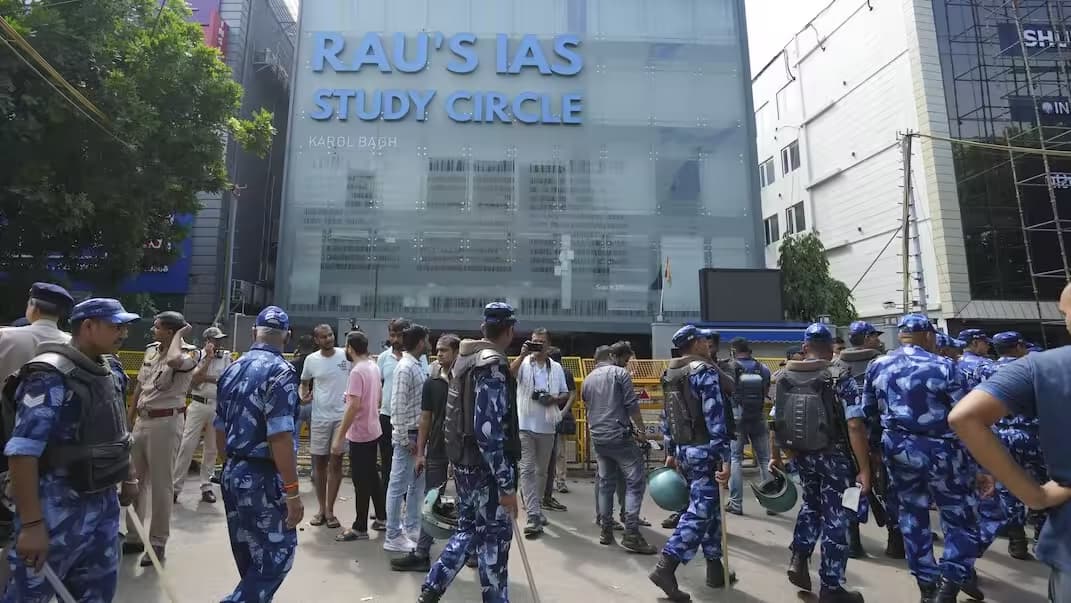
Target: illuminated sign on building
{"type": "Point", "coordinates": [512, 57]}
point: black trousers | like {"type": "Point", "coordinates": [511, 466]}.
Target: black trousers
{"type": "Point", "coordinates": [386, 450]}
{"type": "Point", "coordinates": [366, 483]}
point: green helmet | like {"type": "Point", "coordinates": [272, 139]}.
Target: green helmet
{"type": "Point", "coordinates": [439, 515]}
{"type": "Point", "coordinates": [668, 489]}
{"type": "Point", "coordinates": [777, 494]}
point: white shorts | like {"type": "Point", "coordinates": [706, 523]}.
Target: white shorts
{"type": "Point", "coordinates": [321, 433]}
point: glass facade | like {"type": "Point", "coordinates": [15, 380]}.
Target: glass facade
{"type": "Point", "coordinates": [431, 214]}
{"type": "Point", "coordinates": [990, 99]}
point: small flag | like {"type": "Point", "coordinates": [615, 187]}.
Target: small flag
{"type": "Point", "coordinates": [668, 274]}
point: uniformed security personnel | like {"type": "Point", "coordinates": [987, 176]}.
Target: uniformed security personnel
{"type": "Point", "coordinates": [483, 456]}
{"type": "Point", "coordinates": [1020, 436]}
{"type": "Point", "coordinates": [47, 305]}
{"type": "Point", "coordinates": [70, 400]}
{"type": "Point", "coordinates": [974, 356]}
{"type": "Point", "coordinates": [824, 474]}
{"type": "Point", "coordinates": [256, 413]}
{"type": "Point", "coordinates": [200, 414]}
{"type": "Point", "coordinates": [158, 414]}
{"type": "Point", "coordinates": [948, 347]}
{"type": "Point", "coordinates": [697, 437]}
{"type": "Point", "coordinates": [917, 388]}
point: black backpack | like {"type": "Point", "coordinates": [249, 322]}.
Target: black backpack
{"type": "Point", "coordinates": [459, 418]}
{"type": "Point", "coordinates": [750, 393]}
{"type": "Point", "coordinates": [805, 419]}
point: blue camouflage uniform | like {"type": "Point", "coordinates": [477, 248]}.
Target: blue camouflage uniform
{"type": "Point", "coordinates": [483, 525]}
{"type": "Point", "coordinates": [923, 458]}
{"type": "Point", "coordinates": [257, 398]}
{"type": "Point", "coordinates": [970, 363]}
{"type": "Point", "coordinates": [1019, 435]}
{"type": "Point", "coordinates": [824, 476]}
{"type": "Point", "coordinates": [83, 528]}
{"type": "Point", "coordinates": [700, 523]}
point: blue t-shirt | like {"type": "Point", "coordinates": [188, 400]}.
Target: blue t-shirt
{"type": "Point", "coordinates": [1039, 385]}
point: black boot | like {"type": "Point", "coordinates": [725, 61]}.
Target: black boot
{"type": "Point", "coordinates": [928, 591]}
{"type": "Point", "coordinates": [855, 545]}
{"type": "Point", "coordinates": [429, 596]}
{"type": "Point", "coordinates": [1018, 547]}
{"type": "Point", "coordinates": [634, 542]}
{"type": "Point", "coordinates": [971, 589]}
{"type": "Point", "coordinates": [839, 595]}
{"type": "Point", "coordinates": [799, 572]}
{"type": "Point", "coordinates": [894, 547]}
{"type": "Point", "coordinates": [607, 535]}
{"type": "Point", "coordinates": [664, 576]}
{"type": "Point", "coordinates": [670, 523]}
{"type": "Point", "coordinates": [947, 591]}
{"type": "Point", "coordinates": [716, 574]}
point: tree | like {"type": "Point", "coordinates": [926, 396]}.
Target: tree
{"type": "Point", "coordinates": [91, 195]}
{"type": "Point", "coordinates": [809, 290]}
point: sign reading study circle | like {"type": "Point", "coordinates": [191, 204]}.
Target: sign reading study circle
{"type": "Point", "coordinates": [331, 51]}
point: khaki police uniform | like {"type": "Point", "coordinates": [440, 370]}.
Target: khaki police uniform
{"type": "Point", "coordinates": [18, 345]}
{"type": "Point", "coordinates": [199, 416]}
{"type": "Point", "coordinates": [157, 432]}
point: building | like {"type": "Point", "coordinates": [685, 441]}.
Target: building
{"type": "Point", "coordinates": [555, 155]}
{"type": "Point", "coordinates": [829, 111]}
{"type": "Point", "coordinates": [256, 38]}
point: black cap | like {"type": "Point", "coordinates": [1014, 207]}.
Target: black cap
{"type": "Point", "coordinates": [53, 294]}
{"type": "Point", "coordinates": [792, 351]}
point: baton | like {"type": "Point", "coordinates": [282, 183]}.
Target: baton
{"type": "Point", "coordinates": [725, 547]}
{"type": "Point", "coordinates": [139, 527]}
{"type": "Point", "coordinates": [61, 591]}
{"type": "Point", "coordinates": [524, 559]}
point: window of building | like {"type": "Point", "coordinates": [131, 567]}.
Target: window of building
{"type": "Point", "coordinates": [795, 221]}
{"type": "Point", "coordinates": [790, 157]}
{"type": "Point", "coordinates": [766, 173]}
{"type": "Point", "coordinates": [773, 232]}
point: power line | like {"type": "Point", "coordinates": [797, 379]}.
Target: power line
{"type": "Point", "coordinates": [1004, 148]}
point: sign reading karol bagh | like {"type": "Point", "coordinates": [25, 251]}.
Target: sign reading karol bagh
{"type": "Point", "coordinates": [335, 53]}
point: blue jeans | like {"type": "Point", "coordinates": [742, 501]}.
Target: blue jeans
{"type": "Point", "coordinates": [404, 483]}
{"type": "Point", "coordinates": [617, 460]}
{"type": "Point", "coordinates": [759, 436]}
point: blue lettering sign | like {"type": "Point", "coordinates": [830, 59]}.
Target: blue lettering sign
{"type": "Point", "coordinates": [413, 55]}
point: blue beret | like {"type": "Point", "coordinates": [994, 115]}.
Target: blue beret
{"type": "Point", "coordinates": [970, 335]}
{"type": "Point", "coordinates": [273, 317]}
{"type": "Point", "coordinates": [862, 327]}
{"type": "Point", "coordinates": [53, 294]}
{"type": "Point", "coordinates": [1008, 338]}
{"type": "Point", "coordinates": [817, 332]}
{"type": "Point", "coordinates": [498, 313]}
{"type": "Point", "coordinates": [915, 323]}
{"type": "Point", "coordinates": [103, 308]}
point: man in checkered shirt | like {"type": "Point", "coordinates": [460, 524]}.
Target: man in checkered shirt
{"type": "Point", "coordinates": [407, 387]}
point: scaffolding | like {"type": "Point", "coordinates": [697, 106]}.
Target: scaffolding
{"type": "Point", "coordinates": [1010, 85]}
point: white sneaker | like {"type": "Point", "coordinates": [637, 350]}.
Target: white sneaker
{"type": "Point", "coordinates": [401, 544]}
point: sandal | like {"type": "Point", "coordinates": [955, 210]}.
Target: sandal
{"type": "Point", "coordinates": [347, 536]}
{"type": "Point", "coordinates": [333, 523]}
{"type": "Point", "coordinates": [317, 520]}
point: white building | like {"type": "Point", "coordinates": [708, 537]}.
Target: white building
{"type": "Point", "coordinates": [829, 108]}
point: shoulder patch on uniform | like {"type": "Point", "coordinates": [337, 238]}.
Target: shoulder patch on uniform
{"type": "Point", "coordinates": [152, 345]}
{"type": "Point", "coordinates": [33, 401]}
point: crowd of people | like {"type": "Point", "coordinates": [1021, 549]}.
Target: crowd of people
{"type": "Point", "coordinates": [867, 434]}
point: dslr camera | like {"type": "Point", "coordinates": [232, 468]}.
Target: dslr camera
{"type": "Point", "coordinates": [543, 397]}
{"type": "Point", "coordinates": [534, 346]}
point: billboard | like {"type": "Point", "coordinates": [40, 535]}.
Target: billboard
{"type": "Point", "coordinates": [728, 295]}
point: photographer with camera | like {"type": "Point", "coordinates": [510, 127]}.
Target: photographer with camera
{"type": "Point", "coordinates": [540, 388]}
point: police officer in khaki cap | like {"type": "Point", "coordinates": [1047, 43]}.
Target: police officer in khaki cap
{"type": "Point", "coordinates": [201, 412]}
{"type": "Point", "coordinates": [48, 304]}
{"type": "Point", "coordinates": [158, 415]}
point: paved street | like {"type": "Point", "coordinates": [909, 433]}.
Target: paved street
{"type": "Point", "coordinates": [569, 564]}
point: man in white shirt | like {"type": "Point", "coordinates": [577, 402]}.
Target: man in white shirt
{"type": "Point", "coordinates": [388, 361]}
{"type": "Point", "coordinates": [406, 394]}
{"type": "Point", "coordinates": [323, 381]}
{"type": "Point", "coordinates": [200, 414]}
{"type": "Point", "coordinates": [540, 387]}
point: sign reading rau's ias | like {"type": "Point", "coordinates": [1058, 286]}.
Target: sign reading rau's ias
{"type": "Point", "coordinates": [333, 52]}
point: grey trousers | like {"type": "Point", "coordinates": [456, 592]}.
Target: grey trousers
{"type": "Point", "coordinates": [434, 477]}
{"type": "Point", "coordinates": [535, 458]}
{"type": "Point", "coordinates": [1059, 586]}
{"type": "Point", "coordinates": [622, 457]}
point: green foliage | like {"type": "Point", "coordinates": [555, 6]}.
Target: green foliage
{"type": "Point", "coordinates": [809, 290]}
{"type": "Point", "coordinates": [67, 186]}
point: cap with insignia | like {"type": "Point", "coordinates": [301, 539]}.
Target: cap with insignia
{"type": "Point", "coordinates": [53, 294]}
{"type": "Point", "coordinates": [818, 332]}
{"type": "Point", "coordinates": [688, 334]}
{"type": "Point", "coordinates": [103, 308]}
{"type": "Point", "coordinates": [915, 323]}
{"type": "Point", "coordinates": [1008, 338]}
{"type": "Point", "coordinates": [862, 327]}
{"type": "Point", "coordinates": [213, 333]}
{"type": "Point", "coordinates": [1033, 347]}
{"type": "Point", "coordinates": [970, 335]}
{"type": "Point", "coordinates": [498, 313]}
{"type": "Point", "coordinates": [943, 340]}
{"type": "Point", "coordinates": [273, 317]}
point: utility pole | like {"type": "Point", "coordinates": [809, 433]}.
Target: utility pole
{"type": "Point", "coordinates": [905, 146]}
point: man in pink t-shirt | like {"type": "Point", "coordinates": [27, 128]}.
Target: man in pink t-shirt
{"type": "Point", "coordinates": [360, 428]}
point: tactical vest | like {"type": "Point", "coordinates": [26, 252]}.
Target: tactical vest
{"type": "Point", "coordinates": [459, 420]}
{"type": "Point", "coordinates": [684, 410]}
{"type": "Point", "coordinates": [854, 362]}
{"type": "Point", "coordinates": [100, 456]}
{"type": "Point", "coordinates": [805, 414]}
